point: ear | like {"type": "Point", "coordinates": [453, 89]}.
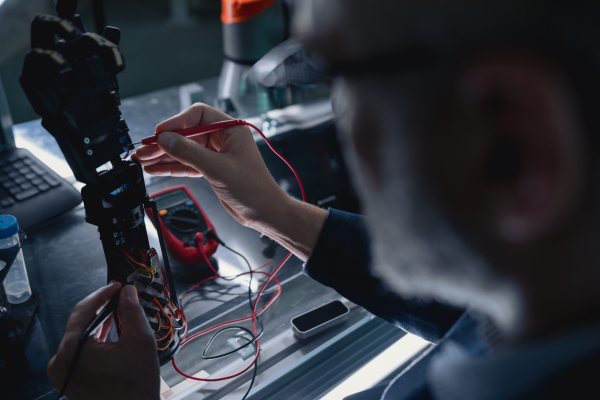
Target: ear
{"type": "Point", "coordinates": [536, 155]}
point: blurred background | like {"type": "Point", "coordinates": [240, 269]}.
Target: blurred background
{"type": "Point", "coordinates": [165, 43]}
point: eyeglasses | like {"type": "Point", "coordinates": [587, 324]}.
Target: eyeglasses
{"type": "Point", "coordinates": [411, 57]}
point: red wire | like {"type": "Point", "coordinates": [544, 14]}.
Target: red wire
{"type": "Point", "coordinates": [280, 156]}
{"type": "Point", "coordinates": [271, 276]}
{"type": "Point", "coordinates": [264, 265]}
{"type": "Point", "coordinates": [254, 315]}
{"type": "Point", "coordinates": [217, 277]}
{"type": "Point", "coordinates": [209, 264]}
{"type": "Point", "coordinates": [141, 265]}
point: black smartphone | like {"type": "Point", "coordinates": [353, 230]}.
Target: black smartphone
{"type": "Point", "coordinates": [319, 319]}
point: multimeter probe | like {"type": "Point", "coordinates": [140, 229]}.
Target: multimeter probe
{"type": "Point", "coordinates": [196, 130]}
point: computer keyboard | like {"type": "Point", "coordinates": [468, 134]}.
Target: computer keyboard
{"type": "Point", "coordinates": [23, 178]}
{"type": "Point", "coordinates": [31, 191]}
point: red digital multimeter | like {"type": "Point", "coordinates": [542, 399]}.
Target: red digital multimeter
{"type": "Point", "coordinates": [183, 224]}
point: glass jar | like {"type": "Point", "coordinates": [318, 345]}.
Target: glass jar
{"type": "Point", "coordinates": [16, 283]}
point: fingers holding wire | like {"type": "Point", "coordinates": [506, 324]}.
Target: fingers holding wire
{"type": "Point", "coordinates": [82, 314]}
{"type": "Point", "coordinates": [148, 152]}
{"type": "Point", "coordinates": [105, 329]}
{"type": "Point", "coordinates": [165, 165]}
{"type": "Point", "coordinates": [87, 308]}
{"type": "Point", "coordinates": [172, 169]}
{"type": "Point", "coordinates": [153, 160]}
{"type": "Point", "coordinates": [152, 152]}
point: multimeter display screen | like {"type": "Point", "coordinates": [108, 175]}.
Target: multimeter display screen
{"type": "Point", "coordinates": [171, 198]}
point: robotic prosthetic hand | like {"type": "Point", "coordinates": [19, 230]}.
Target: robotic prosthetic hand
{"type": "Point", "coordinates": [71, 83]}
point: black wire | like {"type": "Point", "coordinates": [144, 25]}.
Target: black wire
{"type": "Point", "coordinates": [249, 269]}
{"type": "Point", "coordinates": [204, 298]}
{"type": "Point", "coordinates": [202, 294]}
{"type": "Point", "coordinates": [224, 291]}
{"type": "Point", "coordinates": [254, 339]}
{"type": "Point", "coordinates": [252, 381]}
{"type": "Point", "coordinates": [227, 289]}
{"type": "Point", "coordinates": [71, 368]}
{"type": "Point", "coordinates": [98, 320]}
{"type": "Point", "coordinates": [212, 235]}
{"type": "Point", "coordinates": [163, 250]}
{"type": "Point", "coordinates": [202, 291]}
{"type": "Point", "coordinates": [223, 355]}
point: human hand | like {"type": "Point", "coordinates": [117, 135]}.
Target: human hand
{"type": "Point", "coordinates": [229, 159]}
{"type": "Point", "coordinates": [127, 369]}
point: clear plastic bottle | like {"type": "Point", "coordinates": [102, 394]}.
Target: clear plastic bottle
{"type": "Point", "coordinates": [16, 283]}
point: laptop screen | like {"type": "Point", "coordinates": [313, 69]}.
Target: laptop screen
{"type": "Point", "coordinates": [7, 140]}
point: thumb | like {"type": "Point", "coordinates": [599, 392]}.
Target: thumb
{"type": "Point", "coordinates": [131, 316]}
{"type": "Point", "coordinates": [187, 151]}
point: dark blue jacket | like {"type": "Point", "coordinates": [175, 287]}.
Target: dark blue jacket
{"type": "Point", "coordinates": [341, 260]}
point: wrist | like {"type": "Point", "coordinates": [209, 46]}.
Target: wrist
{"type": "Point", "coordinates": [295, 225]}
{"type": "Point", "coordinates": [275, 213]}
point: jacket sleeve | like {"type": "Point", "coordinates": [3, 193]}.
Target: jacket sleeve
{"type": "Point", "coordinates": [341, 260]}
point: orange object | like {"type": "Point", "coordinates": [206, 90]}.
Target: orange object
{"type": "Point", "coordinates": [234, 11]}
{"type": "Point", "coordinates": [162, 213]}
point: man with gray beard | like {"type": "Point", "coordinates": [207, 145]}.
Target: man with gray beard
{"type": "Point", "coordinates": [471, 133]}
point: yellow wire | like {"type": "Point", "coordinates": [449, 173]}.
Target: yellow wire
{"type": "Point", "coordinates": [141, 265]}
{"type": "Point", "coordinates": [170, 325]}
{"type": "Point", "coordinates": [132, 259]}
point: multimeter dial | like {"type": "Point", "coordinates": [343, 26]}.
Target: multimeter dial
{"type": "Point", "coordinates": [181, 215]}
{"type": "Point", "coordinates": [185, 221]}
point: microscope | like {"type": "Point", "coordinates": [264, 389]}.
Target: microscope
{"type": "Point", "coordinates": [70, 79]}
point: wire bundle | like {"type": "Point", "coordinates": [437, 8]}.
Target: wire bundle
{"type": "Point", "coordinates": [174, 312]}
